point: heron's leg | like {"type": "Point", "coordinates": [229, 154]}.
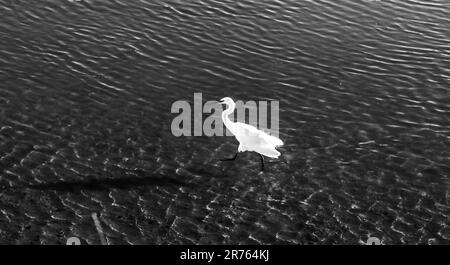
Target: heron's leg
{"type": "Point", "coordinates": [262, 162]}
{"type": "Point", "coordinates": [230, 159]}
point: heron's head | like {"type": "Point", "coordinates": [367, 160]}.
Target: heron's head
{"type": "Point", "coordinates": [227, 101]}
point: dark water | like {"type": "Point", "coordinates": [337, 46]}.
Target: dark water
{"type": "Point", "coordinates": [86, 89]}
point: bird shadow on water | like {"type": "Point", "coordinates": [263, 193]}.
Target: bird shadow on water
{"type": "Point", "coordinates": [96, 184]}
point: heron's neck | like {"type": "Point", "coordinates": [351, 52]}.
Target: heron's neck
{"type": "Point", "coordinates": [227, 112]}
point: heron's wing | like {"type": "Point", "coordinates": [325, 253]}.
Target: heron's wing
{"type": "Point", "coordinates": [253, 131]}
{"type": "Point", "coordinates": [271, 140]}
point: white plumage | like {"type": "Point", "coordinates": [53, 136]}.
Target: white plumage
{"type": "Point", "coordinates": [249, 137]}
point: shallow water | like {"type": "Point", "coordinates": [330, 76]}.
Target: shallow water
{"type": "Point", "coordinates": [86, 89]}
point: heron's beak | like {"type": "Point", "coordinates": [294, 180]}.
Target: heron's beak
{"type": "Point", "coordinates": [221, 102]}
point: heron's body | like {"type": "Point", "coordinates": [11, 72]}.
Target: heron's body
{"type": "Point", "coordinates": [249, 137]}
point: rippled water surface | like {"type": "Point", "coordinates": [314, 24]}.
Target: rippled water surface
{"type": "Point", "coordinates": [86, 89]}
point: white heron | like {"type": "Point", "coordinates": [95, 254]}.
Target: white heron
{"type": "Point", "coordinates": [249, 137]}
